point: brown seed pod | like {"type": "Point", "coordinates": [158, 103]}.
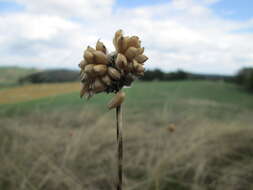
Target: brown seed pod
{"type": "Point", "coordinates": [117, 100]}
{"type": "Point", "coordinates": [118, 34]}
{"type": "Point", "coordinates": [133, 42]}
{"type": "Point", "coordinates": [121, 61]}
{"type": "Point", "coordinates": [135, 64]}
{"type": "Point", "coordinates": [101, 47]}
{"type": "Point", "coordinates": [89, 70]}
{"type": "Point", "coordinates": [141, 58]}
{"type": "Point", "coordinates": [113, 73]}
{"type": "Point", "coordinates": [100, 69]}
{"type": "Point", "coordinates": [89, 57]}
{"type": "Point", "coordinates": [106, 80]}
{"type": "Point", "coordinates": [98, 86]}
{"type": "Point", "coordinates": [130, 53]}
{"type": "Point", "coordinates": [100, 57]}
{"type": "Point", "coordinates": [121, 44]}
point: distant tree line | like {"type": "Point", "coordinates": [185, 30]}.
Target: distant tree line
{"type": "Point", "coordinates": [50, 76]}
{"type": "Point", "coordinates": [158, 74]}
{"type": "Point", "coordinates": [243, 78]}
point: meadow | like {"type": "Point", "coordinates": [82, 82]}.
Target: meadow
{"type": "Point", "coordinates": [51, 139]}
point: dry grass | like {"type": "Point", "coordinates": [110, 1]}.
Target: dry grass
{"type": "Point", "coordinates": [76, 151]}
{"type": "Point", "coordinates": [36, 91]}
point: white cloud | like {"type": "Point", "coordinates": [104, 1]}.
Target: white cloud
{"type": "Point", "coordinates": [182, 34]}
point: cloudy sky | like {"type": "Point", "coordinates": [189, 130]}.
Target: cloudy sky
{"type": "Point", "coordinates": [202, 36]}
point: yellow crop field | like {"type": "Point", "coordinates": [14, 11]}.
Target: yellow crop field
{"type": "Point", "coordinates": [31, 92]}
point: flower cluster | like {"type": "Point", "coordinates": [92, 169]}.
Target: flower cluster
{"type": "Point", "coordinates": [103, 72]}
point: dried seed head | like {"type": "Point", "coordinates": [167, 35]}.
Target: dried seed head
{"type": "Point", "coordinates": [113, 73]}
{"type": "Point", "coordinates": [102, 72]}
{"type": "Point", "coordinates": [101, 47]}
{"type": "Point", "coordinates": [117, 100]}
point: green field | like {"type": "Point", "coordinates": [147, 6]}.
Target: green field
{"type": "Point", "coordinates": [63, 142]}
{"type": "Point", "coordinates": [216, 100]}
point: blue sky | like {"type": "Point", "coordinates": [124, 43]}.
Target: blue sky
{"type": "Point", "coordinates": [234, 9]}
{"type": "Point", "coordinates": [230, 9]}
{"type": "Point", "coordinates": [6, 6]}
{"type": "Point", "coordinates": [204, 36]}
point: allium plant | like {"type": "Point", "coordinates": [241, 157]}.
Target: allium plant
{"type": "Point", "coordinates": [110, 72]}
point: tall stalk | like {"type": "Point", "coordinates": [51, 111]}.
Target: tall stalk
{"type": "Point", "coordinates": [120, 145]}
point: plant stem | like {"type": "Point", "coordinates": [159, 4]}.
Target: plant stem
{"type": "Point", "coordinates": [120, 145]}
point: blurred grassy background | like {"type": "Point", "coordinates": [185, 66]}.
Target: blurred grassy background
{"type": "Point", "coordinates": [51, 139]}
{"type": "Point", "coordinates": [10, 75]}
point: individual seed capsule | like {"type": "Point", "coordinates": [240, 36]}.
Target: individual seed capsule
{"type": "Point", "coordinates": [89, 69]}
{"type": "Point", "coordinates": [100, 69]}
{"type": "Point", "coordinates": [89, 57]}
{"type": "Point", "coordinates": [121, 44]}
{"type": "Point", "coordinates": [98, 86]}
{"type": "Point", "coordinates": [113, 73]}
{"type": "Point", "coordinates": [131, 52]}
{"type": "Point", "coordinates": [141, 58]}
{"type": "Point", "coordinates": [121, 61]}
{"type": "Point", "coordinates": [135, 64]}
{"type": "Point", "coordinates": [106, 80]}
{"type": "Point", "coordinates": [117, 100]}
{"type": "Point", "coordinates": [116, 36]}
{"type": "Point", "coordinates": [133, 42]}
{"type": "Point", "coordinates": [101, 47]}
{"type": "Point", "coordinates": [100, 57]}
